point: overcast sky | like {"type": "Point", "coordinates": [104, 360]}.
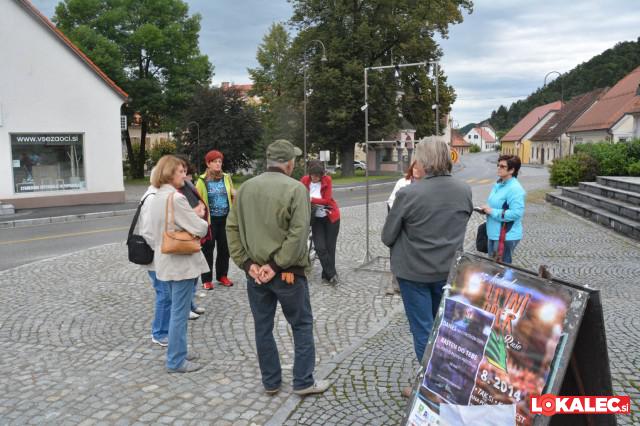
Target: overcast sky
{"type": "Point", "coordinates": [499, 54]}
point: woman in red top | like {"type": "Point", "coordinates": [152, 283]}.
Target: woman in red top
{"type": "Point", "coordinates": [325, 219]}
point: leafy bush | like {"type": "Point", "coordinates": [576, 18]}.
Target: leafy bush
{"type": "Point", "coordinates": [612, 158]}
{"type": "Point", "coordinates": [573, 169]}
{"type": "Point", "coordinates": [633, 169]}
{"type": "Point", "coordinates": [164, 147]}
{"type": "Point", "coordinates": [474, 148]}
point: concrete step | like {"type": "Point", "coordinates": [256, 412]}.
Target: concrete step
{"type": "Point", "coordinates": [611, 192]}
{"type": "Point", "coordinates": [627, 183]}
{"type": "Point", "coordinates": [620, 208]}
{"type": "Point", "coordinates": [623, 225]}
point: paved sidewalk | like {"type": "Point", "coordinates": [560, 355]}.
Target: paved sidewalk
{"type": "Point", "coordinates": [76, 347]}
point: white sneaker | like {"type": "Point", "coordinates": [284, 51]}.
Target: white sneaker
{"type": "Point", "coordinates": [199, 310]}
{"type": "Point", "coordinates": [163, 341]}
{"type": "Point", "coordinates": [193, 315]}
{"type": "Point", "coordinates": [318, 387]}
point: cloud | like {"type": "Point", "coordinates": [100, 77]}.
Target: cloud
{"type": "Point", "coordinates": [502, 51]}
{"type": "Point", "coordinates": [231, 31]}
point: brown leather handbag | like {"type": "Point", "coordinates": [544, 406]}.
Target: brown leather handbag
{"type": "Point", "coordinates": [177, 242]}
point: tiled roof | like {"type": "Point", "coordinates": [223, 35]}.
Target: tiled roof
{"type": "Point", "coordinates": [619, 100]}
{"type": "Point", "coordinates": [485, 135]}
{"type": "Point", "coordinates": [531, 119]}
{"type": "Point", "coordinates": [55, 31]}
{"type": "Point", "coordinates": [457, 139]}
{"type": "Point", "coordinates": [572, 110]}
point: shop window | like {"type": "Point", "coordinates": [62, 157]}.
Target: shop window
{"type": "Point", "coordinates": [45, 162]}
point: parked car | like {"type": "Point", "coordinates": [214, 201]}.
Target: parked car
{"type": "Point", "coordinates": [357, 165]}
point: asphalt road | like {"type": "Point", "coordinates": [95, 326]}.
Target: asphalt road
{"type": "Point", "coordinates": [25, 245]}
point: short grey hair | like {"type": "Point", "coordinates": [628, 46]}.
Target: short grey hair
{"type": "Point", "coordinates": [434, 156]}
{"type": "Point", "coordinates": [278, 164]}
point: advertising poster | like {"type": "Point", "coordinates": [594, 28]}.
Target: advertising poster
{"type": "Point", "coordinates": [499, 337]}
{"type": "Point", "coordinates": [458, 349]}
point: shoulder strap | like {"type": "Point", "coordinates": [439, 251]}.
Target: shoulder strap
{"type": "Point", "coordinates": [134, 223]}
{"type": "Point", "coordinates": [169, 213]}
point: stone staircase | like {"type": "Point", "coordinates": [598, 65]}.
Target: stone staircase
{"type": "Point", "coordinates": [611, 201]}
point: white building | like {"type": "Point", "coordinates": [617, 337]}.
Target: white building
{"type": "Point", "coordinates": [59, 117]}
{"type": "Point", "coordinates": [484, 137]}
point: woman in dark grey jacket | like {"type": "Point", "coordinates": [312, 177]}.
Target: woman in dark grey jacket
{"type": "Point", "coordinates": [424, 229]}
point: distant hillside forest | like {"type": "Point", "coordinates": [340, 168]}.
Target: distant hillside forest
{"type": "Point", "coordinates": [603, 70]}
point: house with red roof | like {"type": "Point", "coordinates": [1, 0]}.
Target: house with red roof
{"type": "Point", "coordinates": [60, 117]}
{"type": "Point", "coordinates": [615, 117]}
{"type": "Point", "coordinates": [552, 140]}
{"type": "Point", "coordinates": [458, 143]}
{"type": "Point", "coordinates": [244, 90]}
{"type": "Point", "coordinates": [517, 140]}
{"type": "Point", "coordinates": [482, 136]}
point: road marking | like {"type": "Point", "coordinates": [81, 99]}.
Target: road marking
{"type": "Point", "coordinates": [73, 234]}
{"type": "Point", "coordinates": [485, 181]}
{"type": "Point", "coordinates": [471, 180]}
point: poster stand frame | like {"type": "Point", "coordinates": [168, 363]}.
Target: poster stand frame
{"type": "Point", "coordinates": [587, 372]}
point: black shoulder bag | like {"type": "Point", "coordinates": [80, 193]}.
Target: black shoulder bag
{"type": "Point", "coordinates": [482, 240]}
{"type": "Point", "coordinates": [139, 251]}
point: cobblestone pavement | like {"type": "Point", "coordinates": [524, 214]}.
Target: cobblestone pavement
{"type": "Point", "coordinates": [369, 380]}
{"type": "Point", "coordinates": [74, 333]}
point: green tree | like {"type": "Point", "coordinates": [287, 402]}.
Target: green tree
{"type": "Point", "coordinates": [279, 115]}
{"type": "Point", "coordinates": [149, 48]}
{"type": "Point", "coordinates": [227, 123]}
{"type": "Point", "coordinates": [369, 33]}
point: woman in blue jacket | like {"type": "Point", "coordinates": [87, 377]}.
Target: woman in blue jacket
{"type": "Point", "coordinates": [505, 205]}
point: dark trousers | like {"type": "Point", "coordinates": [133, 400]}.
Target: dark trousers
{"type": "Point", "coordinates": [325, 238]}
{"type": "Point", "coordinates": [296, 306]}
{"type": "Point", "coordinates": [219, 237]}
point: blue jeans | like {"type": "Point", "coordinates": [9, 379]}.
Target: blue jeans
{"type": "Point", "coordinates": [421, 302]}
{"type": "Point", "coordinates": [193, 296]}
{"type": "Point", "coordinates": [181, 296]}
{"type": "Point", "coordinates": [296, 306]}
{"type": "Point", "coordinates": [509, 247]}
{"type": "Point", "coordinates": [160, 323]}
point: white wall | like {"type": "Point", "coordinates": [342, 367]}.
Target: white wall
{"type": "Point", "coordinates": [45, 87]}
{"type": "Point", "coordinates": [624, 128]}
{"type": "Point", "coordinates": [589, 136]}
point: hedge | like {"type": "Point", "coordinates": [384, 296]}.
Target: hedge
{"type": "Point", "coordinates": [597, 159]}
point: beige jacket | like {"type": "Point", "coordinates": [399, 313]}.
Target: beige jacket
{"type": "Point", "coordinates": [176, 267]}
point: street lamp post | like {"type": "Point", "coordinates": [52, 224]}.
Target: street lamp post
{"type": "Point", "coordinates": [365, 108]}
{"type": "Point", "coordinates": [304, 120]}
{"type": "Point", "coordinates": [197, 142]}
{"type": "Point", "coordinates": [561, 97]}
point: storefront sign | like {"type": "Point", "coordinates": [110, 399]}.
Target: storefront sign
{"type": "Point", "coordinates": [47, 139]}
{"type": "Point", "coordinates": [501, 336]}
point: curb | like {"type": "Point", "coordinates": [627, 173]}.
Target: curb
{"type": "Point", "coordinates": [23, 223]}
{"type": "Point", "coordinates": [351, 188]}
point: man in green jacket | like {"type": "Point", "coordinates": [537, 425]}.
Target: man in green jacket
{"type": "Point", "coordinates": [267, 232]}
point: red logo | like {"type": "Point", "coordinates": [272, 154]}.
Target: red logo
{"type": "Point", "coordinates": [548, 405]}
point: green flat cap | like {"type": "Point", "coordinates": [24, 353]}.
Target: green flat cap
{"type": "Point", "coordinates": [282, 151]}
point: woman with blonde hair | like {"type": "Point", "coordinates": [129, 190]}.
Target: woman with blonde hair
{"type": "Point", "coordinates": [424, 228]}
{"type": "Point", "coordinates": [178, 271]}
{"type": "Point", "coordinates": [413, 173]}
